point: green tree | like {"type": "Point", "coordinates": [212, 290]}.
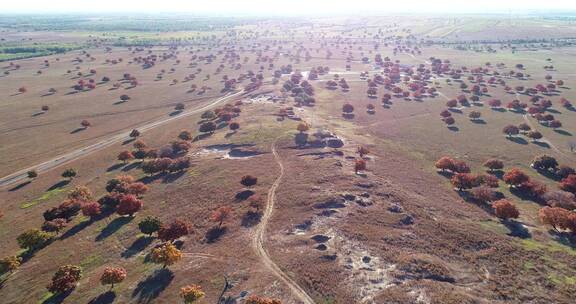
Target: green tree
{"type": "Point", "coordinates": [150, 225]}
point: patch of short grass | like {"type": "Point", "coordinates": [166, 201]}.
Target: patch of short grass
{"type": "Point", "coordinates": [44, 197]}
{"type": "Point", "coordinates": [493, 226]}
{"type": "Point", "coordinates": [45, 297]}
{"type": "Point", "coordinates": [91, 261]}
{"type": "Point", "coordinates": [533, 245]}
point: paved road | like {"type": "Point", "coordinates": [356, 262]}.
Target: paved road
{"type": "Point", "coordinates": [82, 152]}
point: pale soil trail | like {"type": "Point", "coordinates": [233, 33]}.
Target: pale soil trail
{"type": "Point", "coordinates": [258, 240]}
{"type": "Point", "coordinates": [85, 151]}
{"type": "Point", "coordinates": [543, 139]}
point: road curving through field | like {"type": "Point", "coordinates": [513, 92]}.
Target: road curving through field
{"type": "Point", "coordinates": [85, 151]}
{"type": "Point", "coordinates": [258, 240]}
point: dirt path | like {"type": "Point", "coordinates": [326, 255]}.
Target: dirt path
{"type": "Point", "coordinates": [543, 139]}
{"type": "Point", "coordinates": [258, 241]}
{"type": "Point", "coordinates": [85, 151]}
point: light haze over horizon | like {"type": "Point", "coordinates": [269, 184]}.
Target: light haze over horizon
{"type": "Point", "coordinates": [286, 7]}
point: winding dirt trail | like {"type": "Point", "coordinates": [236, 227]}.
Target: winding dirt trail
{"type": "Point", "coordinates": [543, 139]}
{"type": "Point", "coordinates": [258, 240]}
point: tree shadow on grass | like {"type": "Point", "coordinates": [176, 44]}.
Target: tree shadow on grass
{"type": "Point", "coordinates": [104, 298]}
{"type": "Point", "coordinates": [563, 132]}
{"type": "Point", "coordinates": [131, 139]}
{"type": "Point", "coordinates": [151, 287]}
{"type": "Point", "coordinates": [106, 212]}
{"type": "Point", "coordinates": [542, 144]}
{"type": "Point", "coordinates": [132, 165]}
{"type": "Point", "coordinates": [139, 244]}
{"type": "Point", "coordinates": [516, 229]}
{"type": "Point", "coordinates": [524, 195]}
{"type": "Point", "coordinates": [201, 136]}
{"type": "Point", "coordinates": [57, 298]}
{"type": "Point", "coordinates": [20, 186]}
{"type": "Point", "coordinates": [113, 226]}
{"type": "Point", "coordinates": [498, 173]}
{"type": "Point", "coordinates": [445, 173]}
{"type": "Point", "coordinates": [518, 140]}
{"type": "Point", "coordinates": [478, 121]}
{"type": "Point", "coordinates": [453, 128]}
{"type": "Point", "coordinates": [59, 185]}
{"type": "Point", "coordinates": [549, 175]}
{"type": "Point", "coordinates": [172, 177]}
{"type": "Point", "coordinates": [214, 233]}
{"type": "Point", "coordinates": [564, 238]}
{"type": "Point", "coordinates": [467, 197]}
{"type": "Point", "coordinates": [77, 130]}
{"type": "Point", "coordinates": [115, 167]}
{"type": "Point", "coordinates": [77, 228]}
{"type": "Point", "coordinates": [244, 194]}
{"type": "Point", "coordinates": [151, 178]}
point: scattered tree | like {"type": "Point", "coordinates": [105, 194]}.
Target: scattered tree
{"type": "Point", "coordinates": [125, 156]}
{"type": "Point", "coordinates": [362, 151]}
{"type": "Point", "coordinates": [55, 225]}
{"type": "Point", "coordinates": [464, 181]}
{"type": "Point", "coordinates": [302, 127]}
{"type": "Point", "coordinates": [554, 216]}
{"type": "Point", "coordinates": [167, 255]}
{"type": "Point", "coordinates": [494, 164]}
{"type": "Point", "coordinates": [515, 177]}
{"type": "Point", "coordinates": [174, 231]}
{"type": "Point", "coordinates": [91, 209]}
{"type": "Point", "coordinates": [359, 165]}
{"type": "Point", "coordinates": [510, 130]}
{"type": "Point", "coordinates": [534, 135]}
{"type": "Point", "coordinates": [208, 127]}
{"type": "Point", "coordinates": [220, 215]}
{"type": "Point", "coordinates": [191, 293]}
{"type": "Point", "coordinates": [248, 180]}
{"type": "Point", "coordinates": [65, 279]}
{"type": "Point", "coordinates": [129, 204]}
{"type": "Point", "coordinates": [149, 225]}
{"type": "Point", "coordinates": [134, 133]}
{"type": "Point", "coordinates": [69, 173]}
{"type": "Point", "coordinates": [32, 174]}
{"type": "Point", "coordinates": [33, 239]}
{"type": "Point", "coordinates": [505, 209]}
{"type": "Point", "coordinates": [569, 183]}
{"type": "Point", "coordinates": [113, 275]}
{"type": "Point", "coordinates": [545, 162]}
{"type": "Point", "coordinates": [10, 263]}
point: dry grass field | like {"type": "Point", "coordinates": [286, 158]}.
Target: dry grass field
{"type": "Point", "coordinates": [312, 229]}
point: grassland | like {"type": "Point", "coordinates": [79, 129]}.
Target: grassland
{"type": "Point", "coordinates": [406, 235]}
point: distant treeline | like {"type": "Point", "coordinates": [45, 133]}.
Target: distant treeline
{"type": "Point", "coordinates": [143, 23]}
{"type": "Point", "coordinates": [16, 50]}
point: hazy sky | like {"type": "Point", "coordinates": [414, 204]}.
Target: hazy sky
{"type": "Point", "coordinates": [279, 7]}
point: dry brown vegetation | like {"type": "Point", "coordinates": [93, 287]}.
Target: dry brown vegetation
{"type": "Point", "coordinates": [361, 213]}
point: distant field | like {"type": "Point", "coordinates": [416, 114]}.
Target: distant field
{"type": "Point", "coordinates": [315, 227]}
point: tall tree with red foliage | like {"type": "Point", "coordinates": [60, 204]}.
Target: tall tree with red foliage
{"type": "Point", "coordinates": [505, 209]}
{"type": "Point", "coordinates": [129, 204]}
